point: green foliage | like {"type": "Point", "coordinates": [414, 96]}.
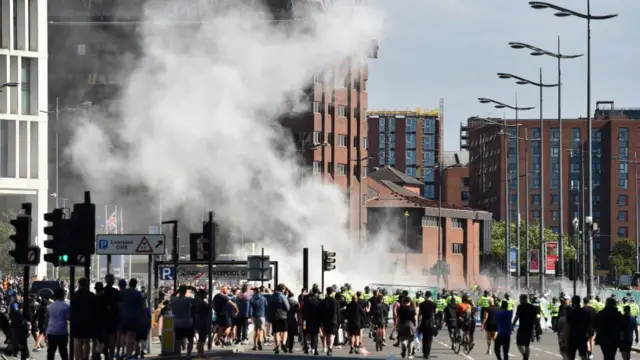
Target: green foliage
{"type": "Point", "coordinates": [6, 261]}
{"type": "Point", "coordinates": [498, 237]}
{"type": "Point", "coordinates": [623, 256]}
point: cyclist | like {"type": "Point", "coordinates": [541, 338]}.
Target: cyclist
{"type": "Point", "coordinates": [466, 318]}
{"type": "Point", "coordinates": [451, 318]}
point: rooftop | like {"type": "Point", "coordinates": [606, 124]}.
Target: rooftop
{"type": "Point", "coordinates": [416, 112]}
{"type": "Point", "coordinates": [392, 175]}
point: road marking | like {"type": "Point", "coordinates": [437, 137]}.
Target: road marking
{"type": "Point", "coordinates": [449, 348]}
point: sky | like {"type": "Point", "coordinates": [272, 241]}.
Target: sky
{"type": "Point", "coordinates": [453, 49]}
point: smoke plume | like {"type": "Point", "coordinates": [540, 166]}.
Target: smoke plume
{"type": "Point", "coordinates": [198, 128]}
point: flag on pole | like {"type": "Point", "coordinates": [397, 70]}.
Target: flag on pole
{"type": "Point", "coordinates": [112, 222]}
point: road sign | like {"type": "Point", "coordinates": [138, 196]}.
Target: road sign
{"type": "Point", "coordinates": [130, 244]}
{"type": "Point", "coordinates": [166, 272]}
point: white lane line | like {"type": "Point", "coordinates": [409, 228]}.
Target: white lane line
{"type": "Point", "coordinates": [449, 347]}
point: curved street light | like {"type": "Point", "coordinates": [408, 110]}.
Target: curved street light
{"type": "Point", "coordinates": [541, 85]}
{"type": "Point", "coordinates": [507, 189]}
{"type": "Point", "coordinates": [536, 51]}
{"type": "Point", "coordinates": [9, 84]}
{"type": "Point", "coordinates": [564, 12]}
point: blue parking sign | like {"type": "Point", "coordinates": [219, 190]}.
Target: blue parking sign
{"type": "Point", "coordinates": [103, 244]}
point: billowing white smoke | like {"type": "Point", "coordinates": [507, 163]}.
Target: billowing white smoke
{"type": "Point", "coordinates": [199, 126]}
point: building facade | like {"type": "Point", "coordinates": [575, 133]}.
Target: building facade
{"type": "Point", "coordinates": [455, 178]}
{"type": "Point", "coordinates": [459, 236]}
{"type": "Point", "coordinates": [615, 139]}
{"type": "Point", "coordinates": [410, 141]}
{"type": "Point", "coordinates": [23, 97]}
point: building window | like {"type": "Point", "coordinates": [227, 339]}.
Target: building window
{"type": "Point", "coordinates": [317, 167]}
{"type": "Point", "coordinates": [430, 221]}
{"type": "Point", "coordinates": [457, 248]}
{"type": "Point", "coordinates": [365, 171]}
{"type": "Point", "coordinates": [365, 142]}
{"type": "Point", "coordinates": [411, 157]}
{"type": "Point", "coordinates": [342, 140]}
{"type": "Point", "coordinates": [457, 223]}
{"type": "Point", "coordinates": [428, 174]}
{"type": "Point", "coordinates": [575, 134]}
{"type": "Point", "coordinates": [410, 141]}
{"type": "Point", "coordinates": [536, 215]}
{"type": "Point", "coordinates": [26, 86]}
{"type": "Point", "coordinates": [342, 110]}
{"type": "Point", "coordinates": [464, 196]}
{"type": "Point", "coordinates": [381, 124]}
{"type": "Point", "coordinates": [622, 216]}
{"type": "Point", "coordinates": [316, 107]}
{"type": "Point", "coordinates": [411, 125]}
{"type": "Point", "coordinates": [623, 231]}
{"type": "Point", "coordinates": [429, 158]}
{"type": "Point", "coordinates": [15, 24]}
{"type": "Point", "coordinates": [411, 171]}
{"type": "Point", "coordinates": [429, 126]}
{"type": "Point", "coordinates": [535, 199]}
{"type": "Point", "coordinates": [465, 181]}
{"type": "Point", "coordinates": [317, 137]}
{"type": "Point", "coordinates": [381, 159]}
{"type": "Point", "coordinates": [555, 215]}
{"type": "Point", "coordinates": [623, 200]}
{"type": "Point", "coordinates": [555, 199]}
{"type": "Point", "coordinates": [381, 142]}
{"type": "Point", "coordinates": [428, 142]}
{"type": "Point", "coordinates": [342, 169]}
{"type": "Point", "coordinates": [555, 229]}
{"type": "Point", "coordinates": [430, 191]}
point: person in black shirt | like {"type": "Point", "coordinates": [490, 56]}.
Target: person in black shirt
{"type": "Point", "coordinates": [81, 317]}
{"type": "Point", "coordinates": [311, 319]}
{"type": "Point", "coordinates": [427, 323]}
{"type": "Point", "coordinates": [112, 315]}
{"type": "Point", "coordinates": [406, 324]}
{"type": "Point", "coordinates": [490, 324]}
{"type": "Point", "coordinates": [364, 306]}
{"type": "Point", "coordinates": [355, 316]}
{"type": "Point", "coordinates": [221, 305]}
{"type": "Point", "coordinates": [580, 324]}
{"type": "Point", "coordinates": [526, 314]}
{"type": "Point", "coordinates": [329, 313]}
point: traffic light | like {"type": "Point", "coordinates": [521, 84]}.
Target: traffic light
{"type": "Point", "coordinates": [21, 238]}
{"type": "Point", "coordinates": [83, 220]}
{"type": "Point", "coordinates": [328, 260]}
{"type": "Point", "coordinates": [209, 239]}
{"type": "Point", "coordinates": [57, 232]}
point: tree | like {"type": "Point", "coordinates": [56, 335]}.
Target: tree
{"type": "Point", "coordinates": [6, 261]}
{"type": "Point", "coordinates": [498, 235]}
{"type": "Point", "coordinates": [623, 256]}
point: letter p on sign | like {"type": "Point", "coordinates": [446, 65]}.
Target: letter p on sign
{"type": "Point", "coordinates": [166, 273]}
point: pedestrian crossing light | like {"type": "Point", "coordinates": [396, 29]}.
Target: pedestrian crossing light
{"type": "Point", "coordinates": [56, 231]}
{"type": "Point", "coordinates": [63, 258]}
{"type": "Point", "coordinates": [328, 260]}
{"type": "Point", "coordinates": [21, 238]}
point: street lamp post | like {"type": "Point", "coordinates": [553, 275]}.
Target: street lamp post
{"type": "Point", "coordinates": [541, 86]}
{"type": "Point", "coordinates": [559, 56]}
{"type": "Point", "coordinates": [517, 109]}
{"type": "Point", "coordinates": [57, 112]}
{"type": "Point", "coordinates": [406, 241]}
{"type": "Point", "coordinates": [9, 84]}
{"type": "Point", "coordinates": [564, 12]}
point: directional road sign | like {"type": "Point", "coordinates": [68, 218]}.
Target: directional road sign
{"type": "Point", "coordinates": [130, 244]}
{"type": "Point", "coordinates": [166, 272]}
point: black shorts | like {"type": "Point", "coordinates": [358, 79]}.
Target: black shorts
{"type": "Point", "coordinates": [523, 338]}
{"type": "Point", "coordinates": [223, 321]}
{"type": "Point", "coordinates": [130, 326]}
{"type": "Point", "coordinates": [184, 333]}
{"type": "Point", "coordinates": [203, 333]}
{"type": "Point", "coordinates": [280, 325]}
{"type": "Point", "coordinates": [580, 348]}
{"type": "Point", "coordinates": [625, 346]}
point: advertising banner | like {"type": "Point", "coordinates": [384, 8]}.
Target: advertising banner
{"type": "Point", "coordinates": [513, 259]}
{"type": "Point", "coordinates": [551, 257]}
{"type": "Point", "coordinates": [534, 261]}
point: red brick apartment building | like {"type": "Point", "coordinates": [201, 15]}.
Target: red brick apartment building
{"type": "Point", "coordinates": [410, 141]}
{"type": "Point", "coordinates": [465, 233]}
{"type": "Point", "coordinates": [455, 178]}
{"type": "Point", "coordinates": [615, 136]}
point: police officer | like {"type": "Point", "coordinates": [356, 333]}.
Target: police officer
{"type": "Point", "coordinates": [554, 311]}
{"type": "Point", "coordinates": [510, 303]}
{"type": "Point", "coordinates": [483, 303]}
{"type": "Point", "coordinates": [441, 304]}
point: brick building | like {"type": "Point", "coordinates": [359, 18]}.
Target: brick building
{"type": "Point", "coordinates": [615, 137]}
{"type": "Point", "coordinates": [455, 178]}
{"type": "Point", "coordinates": [465, 236]}
{"type": "Point", "coordinates": [410, 141]}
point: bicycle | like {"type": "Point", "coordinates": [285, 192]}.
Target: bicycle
{"type": "Point", "coordinates": [462, 341]}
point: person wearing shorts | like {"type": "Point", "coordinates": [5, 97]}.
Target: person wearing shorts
{"type": "Point", "coordinates": [182, 306]}
{"type": "Point", "coordinates": [489, 323]}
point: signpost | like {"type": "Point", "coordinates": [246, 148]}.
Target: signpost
{"type": "Point", "coordinates": [130, 244]}
{"type": "Point", "coordinates": [513, 259]}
